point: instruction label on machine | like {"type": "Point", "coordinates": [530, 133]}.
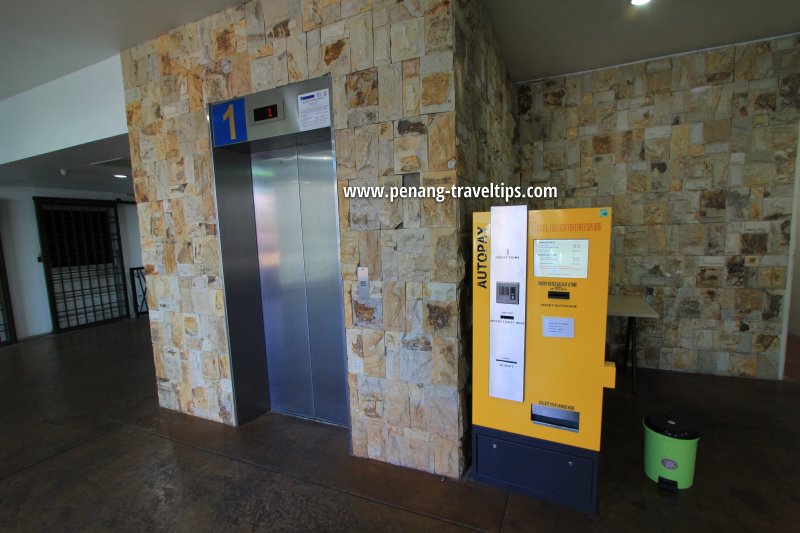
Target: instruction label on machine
{"type": "Point", "coordinates": [314, 109]}
{"type": "Point", "coordinates": [561, 258]}
{"type": "Point", "coordinates": [508, 260]}
{"type": "Point", "coordinates": [558, 327]}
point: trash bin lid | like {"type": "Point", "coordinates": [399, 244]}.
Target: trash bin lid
{"type": "Point", "coordinates": [670, 426]}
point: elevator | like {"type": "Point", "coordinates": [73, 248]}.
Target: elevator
{"type": "Point", "coordinates": [275, 181]}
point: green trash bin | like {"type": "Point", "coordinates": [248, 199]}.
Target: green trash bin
{"type": "Point", "coordinates": [670, 448]}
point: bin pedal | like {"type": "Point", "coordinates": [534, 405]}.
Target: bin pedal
{"type": "Point", "coordinates": [667, 484]}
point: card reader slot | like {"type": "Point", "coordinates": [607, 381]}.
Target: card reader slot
{"type": "Point", "coordinates": [558, 295]}
{"type": "Point", "coordinates": [555, 417]}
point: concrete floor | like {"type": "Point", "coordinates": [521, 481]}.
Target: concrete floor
{"type": "Point", "coordinates": [83, 445]}
{"type": "Point", "coordinates": [791, 371]}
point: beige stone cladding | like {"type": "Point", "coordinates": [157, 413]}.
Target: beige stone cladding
{"type": "Point", "coordinates": [485, 107]}
{"type": "Point", "coordinates": [697, 155]}
{"type": "Point", "coordinates": [391, 64]}
{"type": "Point", "coordinates": [485, 123]}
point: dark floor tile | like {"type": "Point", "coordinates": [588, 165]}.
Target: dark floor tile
{"type": "Point", "coordinates": [55, 391]}
{"type": "Point", "coordinates": [791, 371]}
{"type": "Point", "coordinates": [65, 398]}
{"type": "Point", "coordinates": [746, 478]}
{"type": "Point", "coordinates": [129, 331]}
{"type": "Point", "coordinates": [320, 453]}
{"type": "Point", "coordinates": [41, 439]}
{"type": "Point", "coordinates": [531, 515]}
{"type": "Point", "coordinates": [129, 480]}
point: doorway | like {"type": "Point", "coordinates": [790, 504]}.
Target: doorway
{"type": "Point", "coordinates": [8, 334]}
{"type": "Point", "coordinates": [83, 264]}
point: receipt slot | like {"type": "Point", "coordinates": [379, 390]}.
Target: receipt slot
{"type": "Point", "coordinates": [540, 296]}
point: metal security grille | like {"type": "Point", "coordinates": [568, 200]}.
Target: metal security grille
{"type": "Point", "coordinates": [82, 254]}
{"type": "Point", "coordinates": [139, 291]}
{"type": "Point", "coordinates": [7, 333]}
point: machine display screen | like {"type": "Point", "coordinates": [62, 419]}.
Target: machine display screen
{"type": "Point", "coordinates": [265, 113]}
{"type": "Point", "coordinates": [561, 258]}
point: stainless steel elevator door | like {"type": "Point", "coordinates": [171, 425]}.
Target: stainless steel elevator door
{"type": "Point", "coordinates": [298, 247]}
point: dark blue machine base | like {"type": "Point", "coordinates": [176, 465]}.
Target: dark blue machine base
{"type": "Point", "coordinates": [555, 472]}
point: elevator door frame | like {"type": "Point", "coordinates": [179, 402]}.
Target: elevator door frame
{"type": "Point", "coordinates": [294, 190]}
{"type": "Point", "coordinates": [239, 249]}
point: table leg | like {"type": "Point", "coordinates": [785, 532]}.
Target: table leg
{"type": "Point", "coordinates": [627, 345]}
{"type": "Point", "coordinates": [632, 329]}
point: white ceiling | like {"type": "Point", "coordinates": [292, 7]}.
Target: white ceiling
{"type": "Point", "coordinates": [45, 170]}
{"type": "Point", "coordinates": [41, 40]}
{"type": "Point", "coordinates": [543, 38]}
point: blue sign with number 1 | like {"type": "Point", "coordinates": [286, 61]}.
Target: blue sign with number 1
{"type": "Point", "coordinates": [228, 122]}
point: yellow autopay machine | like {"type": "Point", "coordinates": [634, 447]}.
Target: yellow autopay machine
{"type": "Point", "coordinates": [540, 296]}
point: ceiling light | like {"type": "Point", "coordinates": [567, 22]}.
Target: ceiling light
{"type": "Point", "coordinates": [639, 2]}
{"type": "Point", "coordinates": [120, 176]}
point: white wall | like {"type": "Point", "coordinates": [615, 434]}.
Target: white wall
{"type": "Point", "coordinates": [794, 314]}
{"type": "Point", "coordinates": [131, 245]}
{"type": "Point", "coordinates": [21, 249]}
{"type": "Point", "coordinates": [84, 106]}
{"type": "Point", "coordinates": [793, 322]}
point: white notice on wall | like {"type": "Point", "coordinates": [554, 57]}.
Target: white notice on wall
{"type": "Point", "coordinates": [558, 327]}
{"type": "Point", "coordinates": [561, 258]}
{"type": "Point", "coordinates": [314, 109]}
{"type": "Point", "coordinates": [362, 273]}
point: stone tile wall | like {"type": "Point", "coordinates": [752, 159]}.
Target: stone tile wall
{"type": "Point", "coordinates": [485, 105]}
{"type": "Point", "coordinates": [485, 126]}
{"type": "Point", "coordinates": [697, 155]}
{"type": "Point", "coordinates": [394, 118]}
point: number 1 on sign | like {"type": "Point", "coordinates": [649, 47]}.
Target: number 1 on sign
{"type": "Point", "coordinates": [229, 117]}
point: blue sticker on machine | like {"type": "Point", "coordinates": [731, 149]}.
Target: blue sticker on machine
{"type": "Point", "coordinates": [229, 122]}
{"type": "Point", "coordinates": [603, 213]}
